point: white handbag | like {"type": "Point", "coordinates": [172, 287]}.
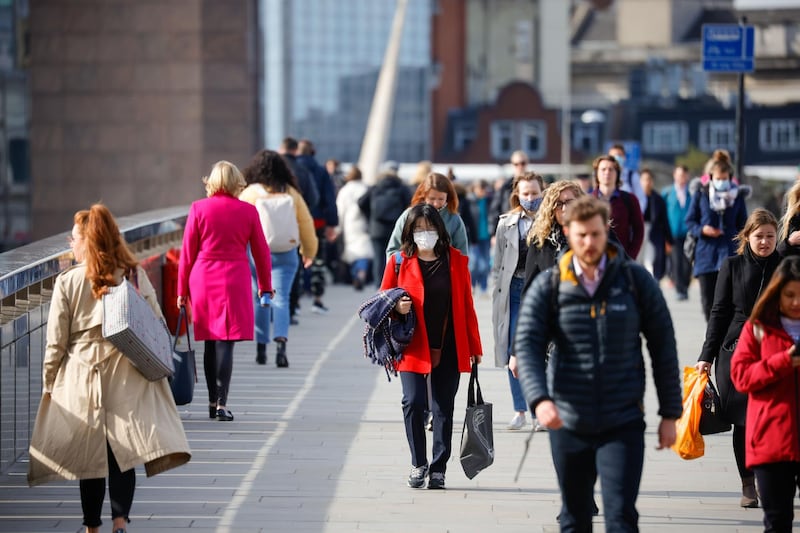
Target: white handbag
{"type": "Point", "coordinates": [130, 324]}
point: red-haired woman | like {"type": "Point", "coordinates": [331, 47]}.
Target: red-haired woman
{"type": "Point", "coordinates": [99, 416]}
{"type": "Point", "coordinates": [435, 190]}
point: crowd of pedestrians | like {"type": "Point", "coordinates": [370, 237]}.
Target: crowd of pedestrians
{"type": "Point", "coordinates": [574, 269]}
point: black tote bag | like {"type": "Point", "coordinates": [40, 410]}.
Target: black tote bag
{"type": "Point", "coordinates": [477, 441]}
{"type": "Point", "coordinates": [183, 380]}
{"type": "Point", "coordinates": [711, 420]}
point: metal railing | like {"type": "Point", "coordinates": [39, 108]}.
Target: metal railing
{"type": "Point", "coordinates": [26, 283]}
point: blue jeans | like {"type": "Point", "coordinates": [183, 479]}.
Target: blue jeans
{"type": "Point", "coordinates": [284, 266]}
{"type": "Point", "coordinates": [479, 254]}
{"type": "Point", "coordinates": [617, 456]}
{"type": "Point", "coordinates": [360, 265]}
{"type": "Point", "coordinates": [514, 298]}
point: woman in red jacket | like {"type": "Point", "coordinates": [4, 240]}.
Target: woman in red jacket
{"type": "Point", "coordinates": [765, 366]}
{"type": "Point", "coordinates": [446, 341]}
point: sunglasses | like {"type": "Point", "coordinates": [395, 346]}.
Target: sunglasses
{"type": "Point", "coordinates": [519, 163]}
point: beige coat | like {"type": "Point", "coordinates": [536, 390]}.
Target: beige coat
{"type": "Point", "coordinates": [505, 262]}
{"type": "Point", "coordinates": [93, 394]}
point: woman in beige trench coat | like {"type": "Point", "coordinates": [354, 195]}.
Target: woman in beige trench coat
{"type": "Point", "coordinates": [99, 416]}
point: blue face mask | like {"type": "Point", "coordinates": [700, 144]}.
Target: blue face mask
{"type": "Point", "coordinates": [621, 160]}
{"type": "Point", "coordinates": [531, 205]}
{"type": "Point", "coordinates": [721, 185]}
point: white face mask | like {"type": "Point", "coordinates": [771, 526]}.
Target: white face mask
{"type": "Point", "coordinates": [426, 240]}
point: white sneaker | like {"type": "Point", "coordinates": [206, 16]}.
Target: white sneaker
{"type": "Point", "coordinates": [537, 427]}
{"type": "Point", "coordinates": [518, 422]}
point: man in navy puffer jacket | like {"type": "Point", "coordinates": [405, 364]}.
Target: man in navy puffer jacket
{"type": "Point", "coordinates": [591, 393]}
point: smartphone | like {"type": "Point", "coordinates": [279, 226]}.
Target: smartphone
{"type": "Point", "coordinates": [266, 300]}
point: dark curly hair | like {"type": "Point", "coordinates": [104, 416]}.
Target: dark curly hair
{"type": "Point", "coordinates": [269, 169]}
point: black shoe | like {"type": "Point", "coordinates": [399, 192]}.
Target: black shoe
{"type": "Point", "coordinates": [436, 481]}
{"type": "Point", "coordinates": [416, 479]}
{"type": "Point", "coordinates": [261, 353]}
{"type": "Point", "coordinates": [280, 356]}
{"type": "Point", "coordinates": [212, 411]}
{"type": "Point", "coordinates": [223, 415]}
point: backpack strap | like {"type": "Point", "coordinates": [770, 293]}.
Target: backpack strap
{"type": "Point", "coordinates": [398, 260]}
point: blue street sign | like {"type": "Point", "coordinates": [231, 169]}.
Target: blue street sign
{"type": "Point", "coordinates": [728, 48]}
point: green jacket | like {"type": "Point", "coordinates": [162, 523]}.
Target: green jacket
{"type": "Point", "coordinates": [453, 223]}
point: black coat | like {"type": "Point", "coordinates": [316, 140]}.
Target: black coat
{"type": "Point", "coordinates": [596, 372]}
{"type": "Point", "coordinates": [660, 234]}
{"type": "Point", "coordinates": [383, 204]}
{"type": "Point", "coordinates": [540, 259]}
{"type": "Point", "coordinates": [741, 279]}
{"type": "Point", "coordinates": [784, 248]}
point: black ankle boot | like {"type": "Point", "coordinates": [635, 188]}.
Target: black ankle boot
{"type": "Point", "coordinates": [261, 353]}
{"type": "Point", "coordinates": [280, 354]}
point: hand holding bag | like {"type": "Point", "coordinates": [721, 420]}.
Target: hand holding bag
{"type": "Point", "coordinates": [185, 376]}
{"type": "Point", "coordinates": [477, 440]}
{"type": "Point", "coordinates": [711, 421]}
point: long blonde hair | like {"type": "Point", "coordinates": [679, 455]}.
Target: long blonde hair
{"type": "Point", "coordinates": [546, 215]}
{"type": "Point", "coordinates": [792, 208]}
{"type": "Point", "coordinates": [104, 248]}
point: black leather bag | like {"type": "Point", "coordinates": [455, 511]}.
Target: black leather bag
{"type": "Point", "coordinates": [185, 376]}
{"type": "Point", "coordinates": [711, 420]}
{"type": "Point", "coordinates": [689, 246]}
{"type": "Point", "coordinates": [477, 440]}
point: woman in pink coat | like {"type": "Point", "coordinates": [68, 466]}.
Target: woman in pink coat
{"type": "Point", "coordinates": [214, 273]}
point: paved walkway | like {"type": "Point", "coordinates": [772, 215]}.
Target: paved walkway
{"type": "Point", "coordinates": [320, 447]}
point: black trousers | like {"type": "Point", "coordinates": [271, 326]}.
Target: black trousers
{"type": "Point", "coordinates": [777, 485]}
{"type": "Point", "coordinates": [317, 270]}
{"type": "Point", "coordinates": [218, 366]}
{"type": "Point", "coordinates": [379, 259]}
{"type": "Point", "coordinates": [681, 269]}
{"type": "Point", "coordinates": [708, 282]}
{"type": "Point", "coordinates": [444, 386]}
{"type": "Point", "coordinates": [120, 490]}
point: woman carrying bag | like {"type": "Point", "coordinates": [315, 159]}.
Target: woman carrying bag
{"type": "Point", "coordinates": [446, 341]}
{"type": "Point", "coordinates": [99, 417]}
{"type": "Point", "coordinates": [765, 367]}
{"type": "Point", "coordinates": [741, 280]}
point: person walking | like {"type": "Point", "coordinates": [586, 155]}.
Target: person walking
{"type": "Point", "coordinates": [271, 185]}
{"type": "Point", "coordinates": [519, 165]}
{"type": "Point", "coordinates": [382, 204]}
{"type": "Point", "coordinates": [657, 235]}
{"type": "Point", "coordinates": [354, 228]}
{"type": "Point", "coordinates": [213, 275]}
{"type": "Point", "coordinates": [717, 213]}
{"type": "Point", "coordinates": [677, 199]}
{"type": "Point", "coordinates": [592, 311]}
{"type": "Point", "coordinates": [627, 223]}
{"type": "Point", "coordinates": [741, 280]}
{"type": "Point", "coordinates": [480, 248]}
{"type": "Point", "coordinates": [508, 273]}
{"type": "Point", "coordinates": [99, 417]}
{"type": "Point", "coordinates": [790, 223]}
{"type": "Point", "coordinates": [445, 343]}
{"type": "Point", "coordinates": [765, 367]}
{"type": "Point", "coordinates": [438, 191]}
{"type": "Point", "coordinates": [546, 237]}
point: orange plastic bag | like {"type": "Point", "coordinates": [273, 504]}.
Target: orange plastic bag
{"type": "Point", "coordinates": [689, 443]}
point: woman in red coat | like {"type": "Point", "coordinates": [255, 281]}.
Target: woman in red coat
{"type": "Point", "coordinates": [765, 366]}
{"type": "Point", "coordinates": [446, 341]}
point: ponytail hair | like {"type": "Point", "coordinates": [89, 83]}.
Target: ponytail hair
{"type": "Point", "coordinates": [721, 161]}
{"type": "Point", "coordinates": [105, 250]}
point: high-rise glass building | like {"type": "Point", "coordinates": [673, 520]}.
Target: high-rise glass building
{"type": "Point", "coordinates": [321, 60]}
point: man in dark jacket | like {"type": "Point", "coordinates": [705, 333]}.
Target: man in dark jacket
{"type": "Point", "coordinates": [499, 205]}
{"type": "Point", "coordinates": [326, 218]}
{"type": "Point", "coordinates": [592, 399]}
{"type": "Point", "coordinates": [382, 205]}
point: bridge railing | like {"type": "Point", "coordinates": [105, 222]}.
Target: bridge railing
{"type": "Point", "coordinates": [26, 283]}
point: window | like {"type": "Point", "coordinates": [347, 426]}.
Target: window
{"type": "Point", "coordinates": [665, 137]}
{"type": "Point", "coordinates": [585, 138]}
{"type": "Point", "coordinates": [534, 138]}
{"type": "Point", "coordinates": [779, 135]}
{"type": "Point", "coordinates": [502, 139]}
{"type": "Point", "coordinates": [463, 136]}
{"type": "Point", "coordinates": [714, 134]}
